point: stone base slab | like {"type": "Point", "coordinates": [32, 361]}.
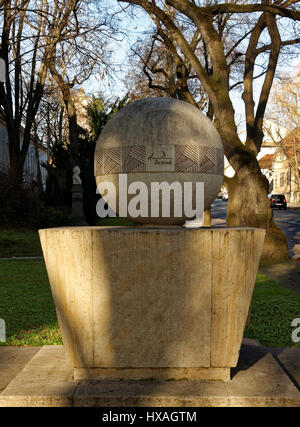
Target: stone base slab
{"type": "Point", "coordinates": [260, 379]}
{"type": "Point", "coordinates": [211, 374]}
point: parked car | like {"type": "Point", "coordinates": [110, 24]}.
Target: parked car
{"type": "Point", "coordinates": [278, 201]}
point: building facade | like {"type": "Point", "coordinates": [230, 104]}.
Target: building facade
{"type": "Point", "coordinates": [266, 164]}
{"type": "Point", "coordinates": [268, 147]}
{"type": "Point", "coordinates": [30, 166]}
{"type": "Point", "coordinates": [286, 172]}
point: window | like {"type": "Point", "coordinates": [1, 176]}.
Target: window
{"type": "Point", "coordinates": [282, 179]}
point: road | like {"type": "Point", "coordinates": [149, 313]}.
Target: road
{"type": "Point", "coordinates": [288, 221]}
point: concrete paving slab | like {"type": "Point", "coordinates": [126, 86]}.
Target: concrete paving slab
{"type": "Point", "coordinates": [290, 360]}
{"type": "Point", "coordinates": [50, 357]}
{"type": "Point", "coordinates": [46, 380]}
{"type": "Point", "coordinates": [12, 361]}
{"type": "Point", "coordinates": [287, 358]}
{"type": "Point", "coordinates": [258, 380]}
{"type": "Point", "coordinates": [262, 384]}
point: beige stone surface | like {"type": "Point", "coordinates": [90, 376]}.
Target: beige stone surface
{"type": "Point", "coordinates": [46, 380]}
{"type": "Point", "coordinates": [161, 140]}
{"type": "Point", "coordinates": [290, 359]}
{"type": "Point", "coordinates": [162, 121]}
{"type": "Point", "coordinates": [152, 298]}
{"type": "Point", "coordinates": [69, 260]}
{"type": "Point", "coordinates": [263, 384]}
{"type": "Point", "coordinates": [12, 361]}
{"type": "Point", "coordinates": [211, 182]}
{"type": "Point", "coordinates": [234, 273]}
{"type": "Point", "coordinates": [151, 393]}
{"type": "Point", "coordinates": [210, 374]}
{"type": "Point", "coordinates": [159, 311]}
{"type": "Point", "coordinates": [257, 381]}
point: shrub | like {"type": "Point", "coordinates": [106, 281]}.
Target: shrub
{"type": "Point", "coordinates": [24, 207]}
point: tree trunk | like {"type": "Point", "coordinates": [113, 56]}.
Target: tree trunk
{"type": "Point", "coordinates": [73, 127]}
{"type": "Point", "coordinates": [249, 206]}
{"type": "Point", "coordinates": [38, 170]}
{"type": "Point", "coordinates": [69, 104]}
{"type": "Point", "coordinates": [16, 168]}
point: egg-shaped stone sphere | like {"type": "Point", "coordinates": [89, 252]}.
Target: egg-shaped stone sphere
{"type": "Point", "coordinates": [155, 141]}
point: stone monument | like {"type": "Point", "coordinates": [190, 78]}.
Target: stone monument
{"type": "Point", "coordinates": [160, 140]}
{"type": "Point", "coordinates": [162, 301]}
{"type": "Point", "coordinates": [77, 216]}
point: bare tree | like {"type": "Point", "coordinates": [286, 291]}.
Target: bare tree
{"type": "Point", "coordinates": [77, 57]}
{"type": "Point", "coordinates": [27, 43]}
{"type": "Point", "coordinates": [23, 89]}
{"type": "Point", "coordinates": [284, 105]}
{"type": "Point", "coordinates": [157, 69]}
{"type": "Point", "coordinates": [38, 36]}
{"type": "Point", "coordinates": [283, 124]}
{"type": "Point", "coordinates": [248, 203]}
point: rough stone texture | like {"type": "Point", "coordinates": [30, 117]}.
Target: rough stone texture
{"type": "Point", "coordinates": [151, 393]}
{"type": "Point", "coordinates": [45, 381]}
{"type": "Point", "coordinates": [211, 374]}
{"type": "Point", "coordinates": [152, 298]}
{"type": "Point", "coordinates": [161, 140]}
{"type": "Point", "coordinates": [233, 276]}
{"type": "Point", "coordinates": [267, 385]}
{"type": "Point", "coordinates": [12, 361]}
{"type": "Point", "coordinates": [258, 380]}
{"type": "Point", "coordinates": [289, 358]}
{"type": "Point", "coordinates": [263, 384]}
{"type": "Point", "coordinates": [214, 181]}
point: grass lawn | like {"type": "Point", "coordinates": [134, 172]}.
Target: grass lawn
{"type": "Point", "coordinates": [26, 242]}
{"type": "Point", "coordinates": [19, 243]}
{"type": "Point", "coordinates": [26, 306]}
{"type": "Point", "coordinates": [272, 310]}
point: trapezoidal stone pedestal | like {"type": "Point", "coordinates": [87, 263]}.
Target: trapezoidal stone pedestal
{"type": "Point", "coordinates": [135, 303]}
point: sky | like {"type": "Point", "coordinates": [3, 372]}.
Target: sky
{"type": "Point", "coordinates": [134, 25]}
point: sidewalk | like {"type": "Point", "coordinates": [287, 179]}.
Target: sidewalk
{"type": "Point", "coordinates": [39, 376]}
{"type": "Point", "coordinates": [293, 205]}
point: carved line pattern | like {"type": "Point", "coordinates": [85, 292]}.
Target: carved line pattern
{"type": "Point", "coordinates": [188, 158]}
{"type": "Point", "coordinates": [134, 159]}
